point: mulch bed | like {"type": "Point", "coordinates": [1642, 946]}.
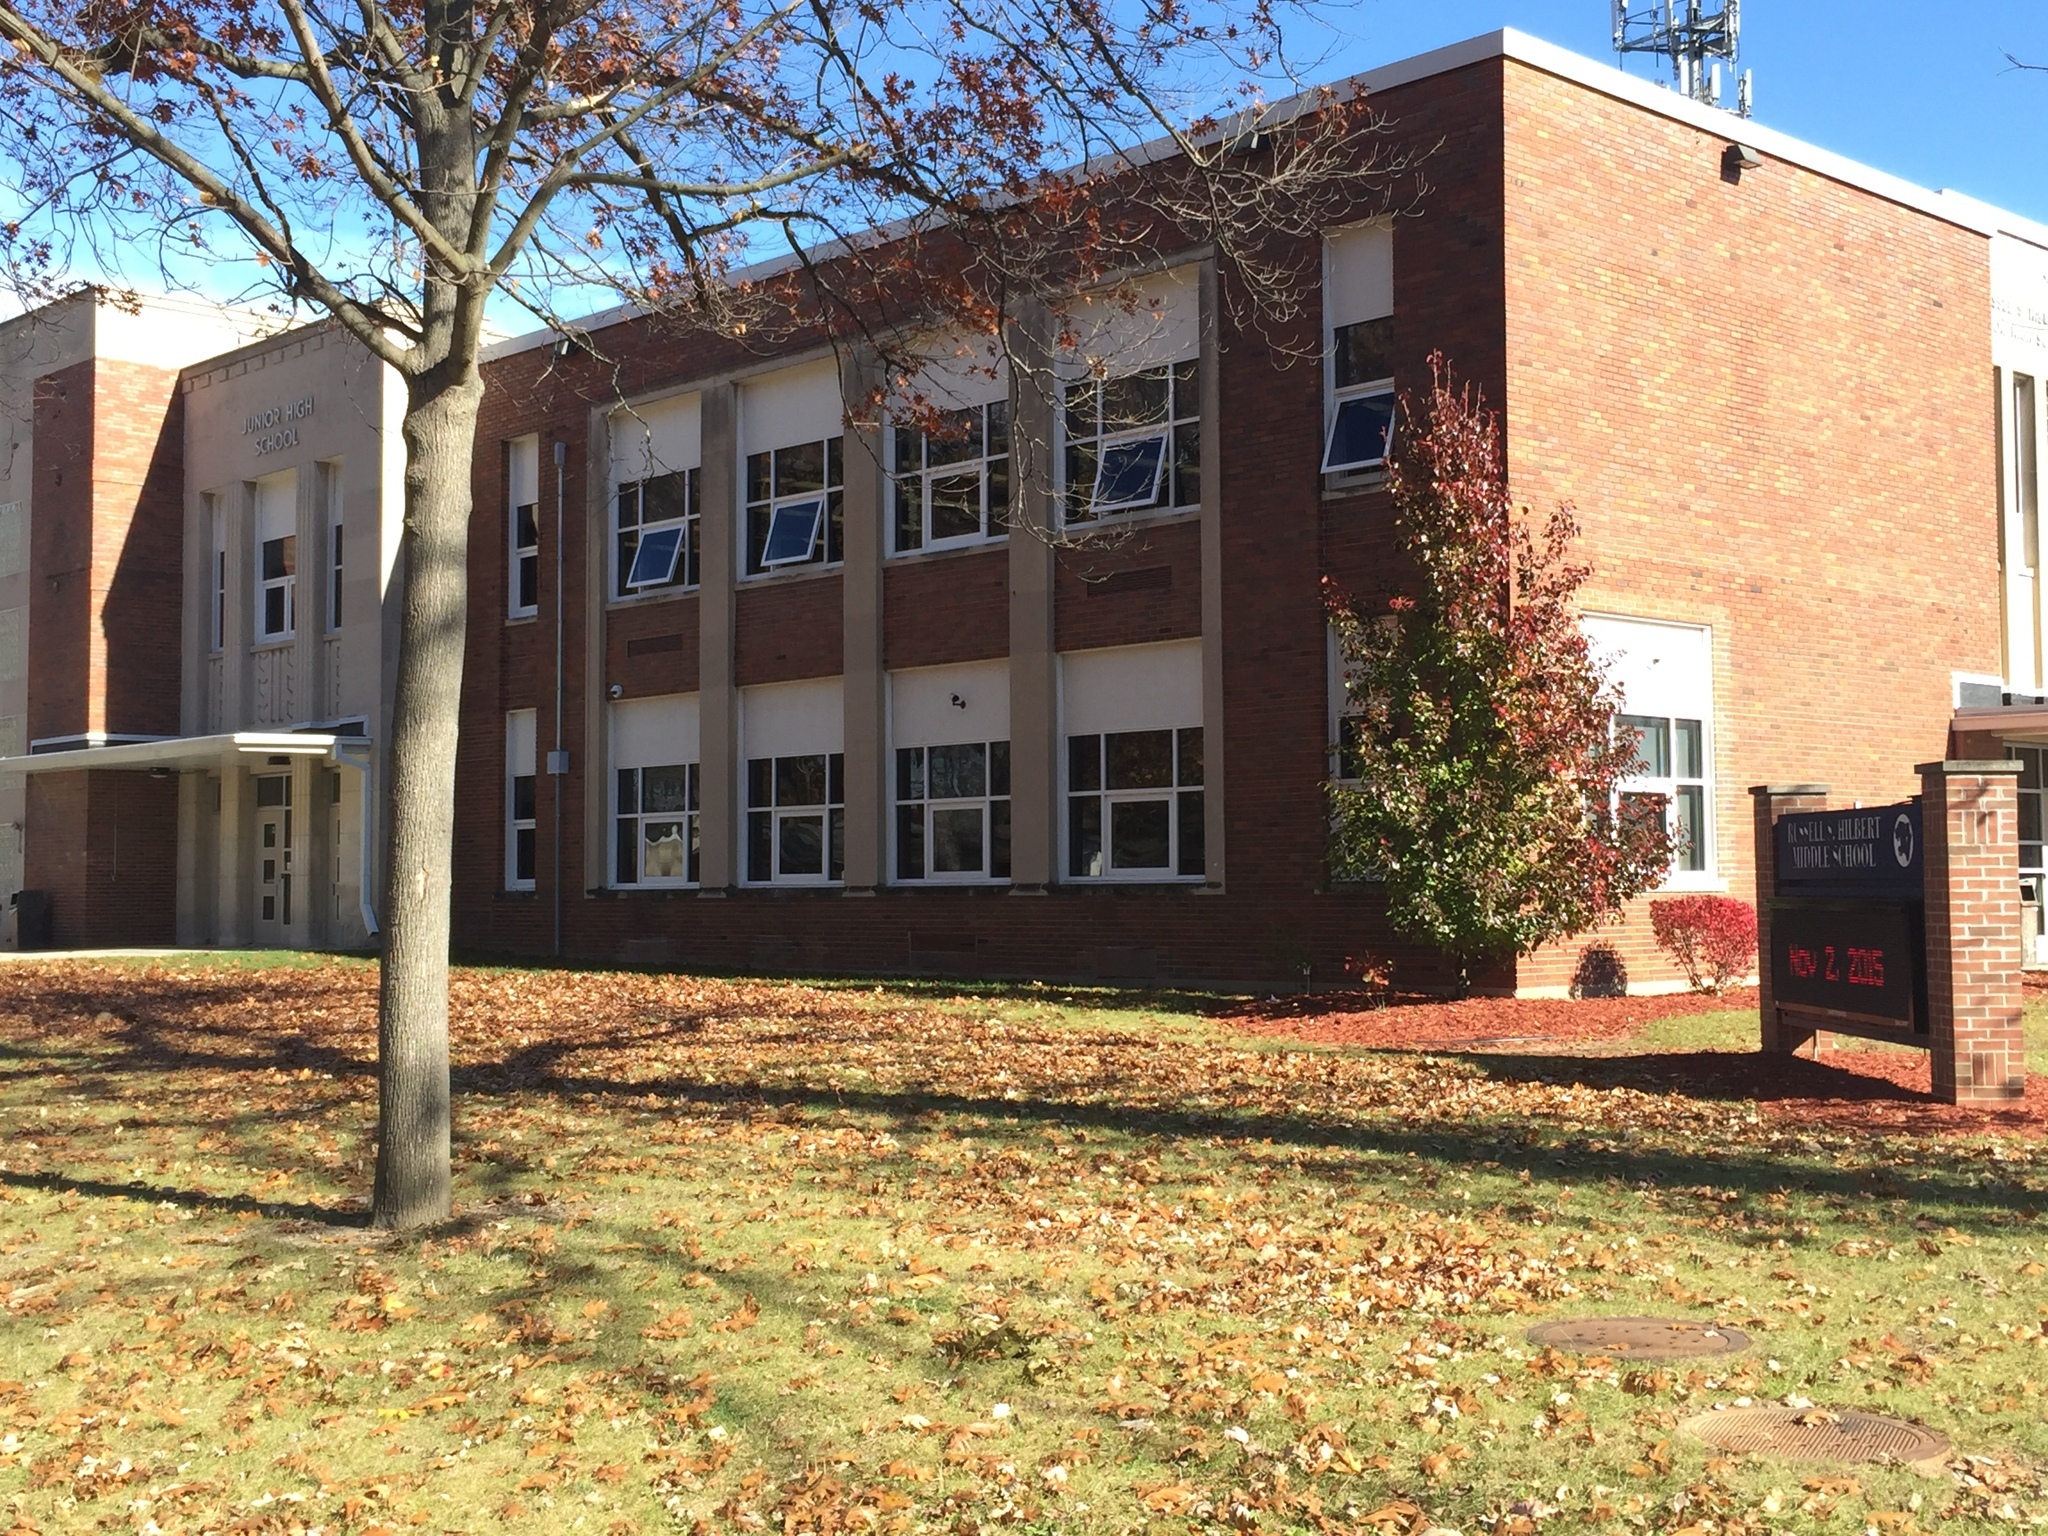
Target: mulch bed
{"type": "Point", "coordinates": [1439, 1023]}
{"type": "Point", "coordinates": [1880, 1092]}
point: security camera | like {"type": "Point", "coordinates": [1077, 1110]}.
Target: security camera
{"type": "Point", "coordinates": [618, 690]}
{"type": "Point", "coordinates": [958, 702]}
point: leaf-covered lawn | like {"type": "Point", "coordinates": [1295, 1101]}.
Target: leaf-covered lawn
{"type": "Point", "coordinates": [751, 1256]}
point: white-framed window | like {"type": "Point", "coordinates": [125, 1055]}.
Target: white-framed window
{"type": "Point", "coordinates": [1132, 765]}
{"type": "Point", "coordinates": [1665, 674]}
{"type": "Point", "coordinates": [1358, 307]}
{"type": "Point", "coordinates": [953, 812]}
{"type": "Point", "coordinates": [521, 852]}
{"type": "Point", "coordinates": [1134, 442]}
{"type": "Point", "coordinates": [522, 588]}
{"type": "Point", "coordinates": [951, 485]}
{"type": "Point", "coordinates": [794, 506]}
{"type": "Point", "coordinates": [277, 557]}
{"type": "Point", "coordinates": [796, 819]}
{"type": "Point", "coordinates": [655, 825]}
{"type": "Point", "coordinates": [657, 530]}
{"type": "Point", "coordinates": [1134, 805]}
{"type": "Point", "coordinates": [654, 750]}
{"type": "Point", "coordinates": [656, 450]}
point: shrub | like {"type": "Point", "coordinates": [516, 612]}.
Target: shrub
{"type": "Point", "coordinates": [1712, 937]}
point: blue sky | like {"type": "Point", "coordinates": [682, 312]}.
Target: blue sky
{"type": "Point", "coordinates": [1921, 90]}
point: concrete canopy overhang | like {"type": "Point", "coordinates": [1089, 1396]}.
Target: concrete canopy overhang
{"type": "Point", "coordinates": [181, 752]}
{"type": "Point", "coordinates": [2026, 723]}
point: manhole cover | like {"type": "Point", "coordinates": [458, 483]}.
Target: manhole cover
{"type": "Point", "coordinates": [1640, 1338]}
{"type": "Point", "coordinates": [1819, 1434]}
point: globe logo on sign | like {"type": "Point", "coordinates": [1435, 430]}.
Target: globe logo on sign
{"type": "Point", "coordinates": [1902, 840]}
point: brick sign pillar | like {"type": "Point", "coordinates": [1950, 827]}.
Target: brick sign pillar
{"type": "Point", "coordinates": [1971, 813]}
{"type": "Point", "coordinates": [1771, 801]}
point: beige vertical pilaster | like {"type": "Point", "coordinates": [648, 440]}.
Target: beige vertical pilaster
{"type": "Point", "coordinates": [1214, 823]}
{"type": "Point", "coordinates": [1034, 662]}
{"type": "Point", "coordinates": [718, 781]}
{"type": "Point", "coordinates": [234, 884]}
{"type": "Point", "coordinates": [238, 622]}
{"type": "Point", "coordinates": [309, 603]}
{"type": "Point", "coordinates": [192, 918]}
{"type": "Point", "coordinates": [866, 706]}
{"type": "Point", "coordinates": [197, 641]}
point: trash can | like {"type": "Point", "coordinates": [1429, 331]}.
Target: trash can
{"type": "Point", "coordinates": [35, 926]}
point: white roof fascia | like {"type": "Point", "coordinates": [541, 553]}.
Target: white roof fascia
{"type": "Point", "coordinates": [1949, 207]}
{"type": "Point", "coordinates": [177, 750]}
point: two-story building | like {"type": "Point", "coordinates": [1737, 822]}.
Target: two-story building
{"type": "Point", "coordinates": [754, 680]}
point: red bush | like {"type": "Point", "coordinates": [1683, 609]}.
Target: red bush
{"type": "Point", "coordinates": [1712, 937]}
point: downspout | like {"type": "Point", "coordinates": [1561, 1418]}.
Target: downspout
{"type": "Point", "coordinates": [558, 760]}
{"type": "Point", "coordinates": [367, 767]}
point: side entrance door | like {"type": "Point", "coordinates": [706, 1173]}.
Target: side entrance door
{"type": "Point", "coordinates": [273, 859]}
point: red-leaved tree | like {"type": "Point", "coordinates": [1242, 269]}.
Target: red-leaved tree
{"type": "Point", "coordinates": [1480, 767]}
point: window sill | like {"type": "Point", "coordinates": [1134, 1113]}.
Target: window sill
{"type": "Point", "coordinates": [1117, 521]}
{"type": "Point", "coordinates": [802, 573]}
{"type": "Point", "coordinates": [951, 551]}
{"type": "Point", "coordinates": [965, 883]}
{"type": "Point", "coordinates": [274, 643]}
{"type": "Point", "coordinates": [680, 888]}
{"type": "Point", "coordinates": [794, 888]}
{"type": "Point", "coordinates": [1696, 884]}
{"type": "Point", "coordinates": [1134, 882]}
{"type": "Point", "coordinates": [516, 890]}
{"type": "Point", "coordinates": [1348, 487]}
{"type": "Point", "coordinates": [532, 617]}
{"type": "Point", "coordinates": [656, 595]}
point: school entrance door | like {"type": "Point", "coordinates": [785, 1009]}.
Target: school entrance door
{"type": "Point", "coordinates": [273, 860]}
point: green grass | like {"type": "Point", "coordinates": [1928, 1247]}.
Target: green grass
{"type": "Point", "coordinates": [735, 1256]}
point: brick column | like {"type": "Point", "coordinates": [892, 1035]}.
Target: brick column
{"type": "Point", "coordinates": [1970, 811]}
{"type": "Point", "coordinates": [1770, 801]}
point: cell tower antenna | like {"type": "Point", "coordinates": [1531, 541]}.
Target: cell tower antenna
{"type": "Point", "coordinates": [1694, 40]}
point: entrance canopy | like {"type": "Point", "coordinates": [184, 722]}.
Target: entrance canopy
{"type": "Point", "coordinates": [180, 751]}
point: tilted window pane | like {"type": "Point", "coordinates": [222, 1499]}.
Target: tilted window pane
{"type": "Point", "coordinates": [1140, 760]}
{"type": "Point", "coordinates": [1361, 433]}
{"type": "Point", "coordinates": [793, 533]}
{"type": "Point", "coordinates": [1138, 834]}
{"type": "Point", "coordinates": [1129, 474]}
{"type": "Point", "coordinates": [654, 564]}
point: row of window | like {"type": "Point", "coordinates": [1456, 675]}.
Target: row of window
{"type": "Point", "coordinates": [1132, 444]}
{"type": "Point", "coordinates": [1134, 812]}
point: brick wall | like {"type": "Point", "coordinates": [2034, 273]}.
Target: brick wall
{"type": "Point", "coordinates": [104, 844]}
{"type": "Point", "coordinates": [1715, 374]}
{"type": "Point", "coordinates": [1720, 378]}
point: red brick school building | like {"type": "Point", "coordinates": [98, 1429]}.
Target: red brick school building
{"type": "Point", "coordinates": [749, 687]}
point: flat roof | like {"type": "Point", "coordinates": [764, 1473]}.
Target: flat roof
{"type": "Point", "coordinates": [178, 751]}
{"type": "Point", "coordinates": [1950, 207]}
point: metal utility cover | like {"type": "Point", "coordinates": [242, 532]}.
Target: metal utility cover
{"type": "Point", "coordinates": [1820, 1434]}
{"type": "Point", "coordinates": [1640, 1338]}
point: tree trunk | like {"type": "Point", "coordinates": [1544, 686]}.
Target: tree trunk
{"type": "Point", "coordinates": [412, 1186]}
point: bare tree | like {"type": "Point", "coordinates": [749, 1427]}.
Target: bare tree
{"type": "Point", "coordinates": [401, 164]}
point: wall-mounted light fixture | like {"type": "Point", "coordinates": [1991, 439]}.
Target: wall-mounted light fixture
{"type": "Point", "coordinates": [1736, 159]}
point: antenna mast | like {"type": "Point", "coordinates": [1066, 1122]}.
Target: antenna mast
{"type": "Point", "coordinates": [1695, 41]}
